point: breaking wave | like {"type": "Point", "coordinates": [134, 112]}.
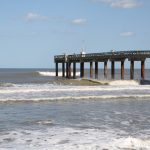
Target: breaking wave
{"type": "Point", "coordinates": [48, 99]}
{"type": "Point", "coordinates": [6, 84]}
{"type": "Point", "coordinates": [49, 92]}
{"type": "Point", "coordinates": [114, 82]}
{"type": "Point", "coordinates": [124, 82]}
{"type": "Point", "coordinates": [48, 73]}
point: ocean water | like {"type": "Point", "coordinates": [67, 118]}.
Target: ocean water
{"type": "Point", "coordinates": [41, 112]}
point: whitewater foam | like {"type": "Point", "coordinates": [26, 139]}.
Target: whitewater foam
{"type": "Point", "coordinates": [132, 143]}
{"type": "Point", "coordinates": [46, 92]}
{"type": "Point", "coordinates": [124, 82]}
{"type": "Point", "coordinates": [48, 73]}
{"type": "Point", "coordinates": [6, 84]}
{"type": "Point", "coordinates": [114, 82]}
{"type": "Point", "coordinates": [70, 139]}
{"type": "Point", "coordinates": [27, 88]}
{"type": "Point", "coordinates": [44, 122]}
{"type": "Point", "coordinates": [69, 98]}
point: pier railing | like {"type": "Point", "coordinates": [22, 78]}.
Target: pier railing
{"type": "Point", "coordinates": [103, 56]}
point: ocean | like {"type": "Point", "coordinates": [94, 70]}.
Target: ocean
{"type": "Point", "coordinates": [39, 111]}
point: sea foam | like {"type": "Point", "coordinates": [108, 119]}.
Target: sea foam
{"type": "Point", "coordinates": [48, 73]}
{"type": "Point", "coordinates": [123, 82]}
{"type": "Point", "coordinates": [70, 139]}
{"type": "Point", "coordinates": [48, 92]}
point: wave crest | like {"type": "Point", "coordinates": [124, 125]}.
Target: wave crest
{"type": "Point", "coordinates": [6, 84]}
{"type": "Point", "coordinates": [68, 98]}
{"type": "Point", "coordinates": [48, 73]}
{"type": "Point", "coordinates": [124, 82]}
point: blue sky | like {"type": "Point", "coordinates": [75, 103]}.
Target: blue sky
{"type": "Point", "coordinates": [33, 31]}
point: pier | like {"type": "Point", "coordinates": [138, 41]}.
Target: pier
{"type": "Point", "coordinates": [104, 57]}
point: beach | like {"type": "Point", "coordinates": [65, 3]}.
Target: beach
{"type": "Point", "coordinates": [40, 111]}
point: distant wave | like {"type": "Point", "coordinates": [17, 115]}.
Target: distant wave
{"type": "Point", "coordinates": [66, 98]}
{"type": "Point", "coordinates": [50, 92]}
{"type": "Point", "coordinates": [114, 82]}
{"type": "Point", "coordinates": [48, 73]}
{"type": "Point", "coordinates": [6, 84]}
{"type": "Point", "coordinates": [49, 88]}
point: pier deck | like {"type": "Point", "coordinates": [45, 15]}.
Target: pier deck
{"type": "Point", "coordinates": [113, 56]}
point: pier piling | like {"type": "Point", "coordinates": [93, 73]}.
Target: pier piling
{"type": "Point", "coordinates": [67, 74]}
{"type": "Point", "coordinates": [105, 69]}
{"type": "Point", "coordinates": [142, 68]}
{"type": "Point", "coordinates": [82, 69]}
{"type": "Point", "coordinates": [132, 70]}
{"type": "Point", "coordinates": [91, 69]}
{"type": "Point", "coordinates": [112, 69]}
{"type": "Point", "coordinates": [69, 70]}
{"type": "Point", "coordinates": [122, 70]}
{"type": "Point", "coordinates": [96, 70]}
{"type": "Point", "coordinates": [74, 70]}
{"type": "Point", "coordinates": [56, 69]}
{"type": "Point", "coordinates": [121, 56]}
{"type": "Point", "coordinates": [63, 69]}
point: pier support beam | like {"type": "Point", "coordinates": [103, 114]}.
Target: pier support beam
{"type": "Point", "coordinates": [91, 69]}
{"type": "Point", "coordinates": [69, 70]}
{"type": "Point", "coordinates": [142, 69]}
{"type": "Point", "coordinates": [105, 69]}
{"type": "Point", "coordinates": [112, 69]}
{"type": "Point", "coordinates": [67, 74]}
{"type": "Point", "coordinates": [96, 70]}
{"type": "Point", "coordinates": [63, 69]}
{"type": "Point", "coordinates": [122, 70]}
{"type": "Point", "coordinates": [82, 69]}
{"type": "Point", "coordinates": [74, 70]}
{"type": "Point", "coordinates": [132, 69]}
{"type": "Point", "coordinates": [56, 69]}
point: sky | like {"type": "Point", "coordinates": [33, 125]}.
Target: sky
{"type": "Point", "coordinates": [33, 31]}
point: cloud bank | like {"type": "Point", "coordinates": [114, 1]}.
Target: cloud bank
{"type": "Point", "coordinates": [127, 34]}
{"type": "Point", "coordinates": [30, 17]}
{"type": "Point", "coordinates": [79, 21]}
{"type": "Point", "coordinates": [121, 3]}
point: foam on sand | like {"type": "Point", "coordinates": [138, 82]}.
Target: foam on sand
{"type": "Point", "coordinates": [70, 139]}
{"type": "Point", "coordinates": [133, 143]}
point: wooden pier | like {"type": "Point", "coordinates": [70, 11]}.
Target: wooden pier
{"type": "Point", "coordinates": [114, 56]}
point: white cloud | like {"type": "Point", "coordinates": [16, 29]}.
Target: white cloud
{"type": "Point", "coordinates": [35, 17]}
{"type": "Point", "coordinates": [79, 21]}
{"type": "Point", "coordinates": [121, 3]}
{"type": "Point", "coordinates": [127, 34]}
